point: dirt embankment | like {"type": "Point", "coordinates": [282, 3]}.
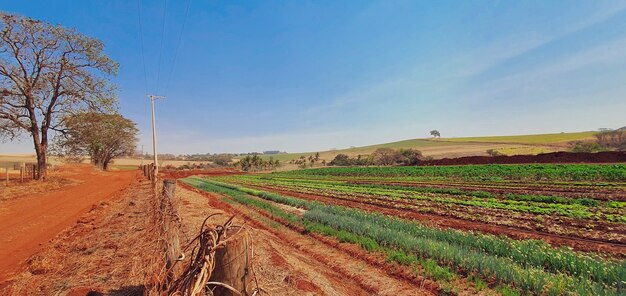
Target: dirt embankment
{"type": "Point", "coordinates": [29, 222]}
{"type": "Point", "coordinates": [178, 174]}
{"type": "Point", "coordinates": [555, 157]}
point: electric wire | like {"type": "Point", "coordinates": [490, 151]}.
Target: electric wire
{"type": "Point", "coordinates": [143, 59]}
{"type": "Point", "coordinates": [176, 49]}
{"type": "Point", "coordinates": [162, 44]}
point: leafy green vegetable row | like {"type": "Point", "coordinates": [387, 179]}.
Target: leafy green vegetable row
{"type": "Point", "coordinates": [533, 204]}
{"type": "Point", "coordinates": [549, 172]}
{"type": "Point", "coordinates": [532, 266]}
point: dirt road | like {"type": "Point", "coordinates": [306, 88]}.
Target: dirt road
{"type": "Point", "coordinates": [28, 223]}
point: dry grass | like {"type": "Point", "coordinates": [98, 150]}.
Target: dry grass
{"type": "Point", "coordinates": [106, 250]}
{"type": "Point", "coordinates": [275, 280]}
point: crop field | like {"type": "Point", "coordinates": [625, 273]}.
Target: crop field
{"type": "Point", "coordinates": [458, 147]}
{"type": "Point", "coordinates": [508, 229]}
{"type": "Point", "coordinates": [529, 139]}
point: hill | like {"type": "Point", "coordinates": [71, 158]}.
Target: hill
{"type": "Point", "coordinates": [458, 147]}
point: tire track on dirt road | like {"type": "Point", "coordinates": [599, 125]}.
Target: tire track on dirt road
{"type": "Point", "coordinates": [27, 223]}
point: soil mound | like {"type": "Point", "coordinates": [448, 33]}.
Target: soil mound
{"type": "Point", "coordinates": [554, 157]}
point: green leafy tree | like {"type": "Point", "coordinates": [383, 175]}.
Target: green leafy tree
{"type": "Point", "coordinates": [410, 156]}
{"type": "Point", "coordinates": [46, 73]}
{"type": "Point", "coordinates": [100, 136]}
{"type": "Point", "coordinates": [340, 160]}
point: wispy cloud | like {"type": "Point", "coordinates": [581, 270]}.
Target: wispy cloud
{"type": "Point", "coordinates": [609, 53]}
{"type": "Point", "coordinates": [514, 46]}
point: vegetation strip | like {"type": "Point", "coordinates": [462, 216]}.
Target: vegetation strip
{"type": "Point", "coordinates": [531, 266]}
{"type": "Point", "coordinates": [532, 172]}
{"type": "Point", "coordinates": [582, 208]}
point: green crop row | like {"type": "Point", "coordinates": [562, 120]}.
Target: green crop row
{"type": "Point", "coordinates": [527, 264]}
{"type": "Point", "coordinates": [535, 172]}
{"type": "Point", "coordinates": [537, 205]}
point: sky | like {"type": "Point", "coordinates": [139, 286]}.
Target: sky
{"type": "Point", "coordinates": [296, 76]}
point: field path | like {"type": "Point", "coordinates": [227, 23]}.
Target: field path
{"type": "Point", "coordinates": [27, 223]}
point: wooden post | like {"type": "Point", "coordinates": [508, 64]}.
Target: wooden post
{"type": "Point", "coordinates": [232, 266]}
{"type": "Point", "coordinates": [34, 171]}
{"type": "Point", "coordinates": [7, 172]}
{"type": "Point", "coordinates": [21, 175]}
{"type": "Point", "coordinates": [173, 251]}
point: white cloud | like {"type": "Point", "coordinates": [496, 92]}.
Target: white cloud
{"type": "Point", "coordinates": [513, 46]}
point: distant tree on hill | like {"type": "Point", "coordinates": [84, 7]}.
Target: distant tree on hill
{"type": "Point", "coordinates": [435, 134]}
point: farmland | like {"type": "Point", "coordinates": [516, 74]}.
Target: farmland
{"type": "Point", "coordinates": [458, 147]}
{"type": "Point", "coordinates": [512, 229]}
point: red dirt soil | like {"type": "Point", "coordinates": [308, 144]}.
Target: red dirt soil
{"type": "Point", "coordinates": [554, 157]}
{"type": "Point", "coordinates": [455, 223]}
{"type": "Point", "coordinates": [28, 223]}
{"type": "Point", "coordinates": [418, 285]}
{"type": "Point", "coordinates": [208, 172]}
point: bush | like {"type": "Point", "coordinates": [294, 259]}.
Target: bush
{"type": "Point", "coordinates": [340, 160]}
{"type": "Point", "coordinates": [587, 147]}
{"type": "Point", "coordinates": [410, 156]}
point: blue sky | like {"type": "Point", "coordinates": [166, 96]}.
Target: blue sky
{"type": "Point", "coordinates": [315, 75]}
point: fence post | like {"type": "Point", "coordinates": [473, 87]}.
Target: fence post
{"type": "Point", "coordinates": [173, 251]}
{"type": "Point", "coordinates": [7, 173]}
{"type": "Point", "coordinates": [233, 263]}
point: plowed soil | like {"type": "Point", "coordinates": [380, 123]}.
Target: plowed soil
{"type": "Point", "coordinates": [289, 263]}
{"type": "Point", "coordinates": [554, 157]}
{"type": "Point", "coordinates": [28, 223]}
{"type": "Point", "coordinates": [462, 224]}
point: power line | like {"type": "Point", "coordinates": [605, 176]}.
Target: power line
{"type": "Point", "coordinates": [180, 37]}
{"type": "Point", "coordinates": [162, 43]}
{"type": "Point", "coordinates": [143, 59]}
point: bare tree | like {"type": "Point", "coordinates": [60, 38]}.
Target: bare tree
{"type": "Point", "coordinates": [46, 73]}
{"type": "Point", "coordinates": [102, 137]}
{"type": "Point", "coordinates": [386, 156]}
{"type": "Point", "coordinates": [614, 139]}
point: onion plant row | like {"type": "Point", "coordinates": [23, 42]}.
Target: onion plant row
{"type": "Point", "coordinates": [529, 265]}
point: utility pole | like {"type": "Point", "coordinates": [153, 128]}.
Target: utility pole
{"type": "Point", "coordinates": [154, 144]}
